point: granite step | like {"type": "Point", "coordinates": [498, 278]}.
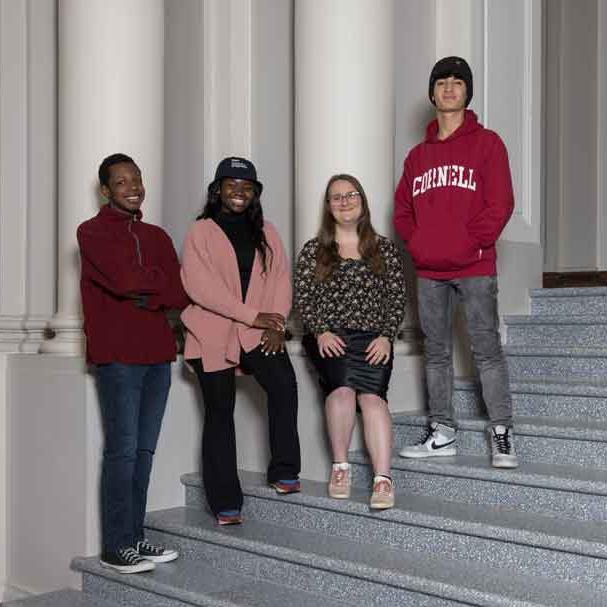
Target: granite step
{"type": "Point", "coordinates": [551, 440]}
{"type": "Point", "coordinates": [548, 330]}
{"type": "Point", "coordinates": [571, 301]}
{"type": "Point", "coordinates": [191, 582]}
{"type": "Point", "coordinates": [63, 598]}
{"type": "Point", "coordinates": [574, 551]}
{"type": "Point", "coordinates": [528, 362]}
{"type": "Point", "coordinates": [579, 399]}
{"type": "Point", "coordinates": [569, 492]}
{"type": "Point", "coordinates": [358, 572]}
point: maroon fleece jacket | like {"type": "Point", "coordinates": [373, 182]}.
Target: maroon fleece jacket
{"type": "Point", "coordinates": [129, 278]}
{"type": "Point", "coordinates": [453, 200]}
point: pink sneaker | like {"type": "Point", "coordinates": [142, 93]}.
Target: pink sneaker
{"type": "Point", "coordinates": [383, 493]}
{"type": "Point", "coordinates": [339, 483]}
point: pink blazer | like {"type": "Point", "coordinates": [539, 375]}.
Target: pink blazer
{"type": "Point", "coordinates": [218, 322]}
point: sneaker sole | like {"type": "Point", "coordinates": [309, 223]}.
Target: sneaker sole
{"type": "Point", "coordinates": [339, 496]}
{"type": "Point", "coordinates": [140, 568]}
{"type": "Point", "coordinates": [226, 522]}
{"type": "Point", "coordinates": [381, 505]}
{"type": "Point", "coordinates": [282, 491]}
{"type": "Point", "coordinates": [413, 455]}
{"type": "Point", "coordinates": [165, 558]}
{"type": "Point", "coordinates": [509, 465]}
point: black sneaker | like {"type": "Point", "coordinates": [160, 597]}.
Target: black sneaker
{"type": "Point", "coordinates": [155, 554]}
{"type": "Point", "coordinates": [502, 449]}
{"type": "Point", "coordinates": [126, 560]}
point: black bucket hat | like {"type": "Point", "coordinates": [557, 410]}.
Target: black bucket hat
{"type": "Point", "coordinates": [236, 168]}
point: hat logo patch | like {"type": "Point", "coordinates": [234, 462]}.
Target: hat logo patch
{"type": "Point", "coordinates": [239, 164]}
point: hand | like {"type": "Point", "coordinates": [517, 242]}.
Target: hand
{"type": "Point", "coordinates": [330, 345]}
{"type": "Point", "coordinates": [378, 351]}
{"type": "Point", "coordinates": [272, 341]}
{"type": "Point", "coordinates": [270, 320]}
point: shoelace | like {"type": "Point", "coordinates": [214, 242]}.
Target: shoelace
{"type": "Point", "coordinates": [145, 545]}
{"type": "Point", "coordinates": [383, 487]}
{"type": "Point", "coordinates": [425, 435]}
{"type": "Point", "coordinates": [339, 477]}
{"type": "Point", "coordinates": [129, 556]}
{"type": "Point", "coordinates": [502, 442]}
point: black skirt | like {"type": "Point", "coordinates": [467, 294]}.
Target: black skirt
{"type": "Point", "coordinates": [350, 370]}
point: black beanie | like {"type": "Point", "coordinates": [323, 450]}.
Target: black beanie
{"type": "Point", "coordinates": [451, 66]}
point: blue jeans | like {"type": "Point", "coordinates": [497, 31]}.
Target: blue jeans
{"type": "Point", "coordinates": [436, 300]}
{"type": "Point", "coordinates": [133, 399]}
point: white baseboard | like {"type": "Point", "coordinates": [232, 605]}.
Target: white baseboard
{"type": "Point", "coordinates": [12, 593]}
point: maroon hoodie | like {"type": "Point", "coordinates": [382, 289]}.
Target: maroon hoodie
{"type": "Point", "coordinates": [453, 200]}
{"type": "Point", "coordinates": [129, 278]}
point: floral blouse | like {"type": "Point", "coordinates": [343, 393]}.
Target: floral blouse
{"type": "Point", "coordinates": [353, 297]}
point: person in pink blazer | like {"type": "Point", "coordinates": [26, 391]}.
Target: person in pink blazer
{"type": "Point", "coordinates": [236, 272]}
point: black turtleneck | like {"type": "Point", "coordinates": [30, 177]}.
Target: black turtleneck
{"type": "Point", "coordinates": [238, 230]}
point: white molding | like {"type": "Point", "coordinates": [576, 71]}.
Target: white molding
{"type": "Point", "coordinates": [601, 136]}
{"type": "Point", "coordinates": [228, 81]}
{"type": "Point", "coordinates": [13, 154]}
{"type": "Point", "coordinates": [525, 225]}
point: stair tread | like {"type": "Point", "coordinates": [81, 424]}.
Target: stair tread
{"type": "Point", "coordinates": [556, 319]}
{"type": "Point", "coordinates": [562, 477]}
{"type": "Point", "coordinates": [62, 598]}
{"type": "Point", "coordinates": [545, 385]}
{"type": "Point", "coordinates": [583, 537]}
{"type": "Point", "coordinates": [525, 425]}
{"type": "Point", "coordinates": [195, 582]}
{"type": "Point", "coordinates": [555, 351]}
{"type": "Point", "coordinates": [437, 575]}
{"type": "Point", "coordinates": [568, 292]}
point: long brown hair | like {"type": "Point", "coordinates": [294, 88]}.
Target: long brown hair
{"type": "Point", "coordinates": [327, 257]}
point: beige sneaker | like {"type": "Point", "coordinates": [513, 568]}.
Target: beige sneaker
{"type": "Point", "coordinates": [339, 483]}
{"type": "Point", "coordinates": [383, 493]}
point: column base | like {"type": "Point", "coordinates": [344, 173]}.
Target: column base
{"type": "Point", "coordinates": [67, 339]}
{"type": "Point", "coordinates": [22, 333]}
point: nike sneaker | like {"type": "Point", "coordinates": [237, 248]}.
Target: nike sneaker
{"type": "Point", "coordinates": [436, 441]}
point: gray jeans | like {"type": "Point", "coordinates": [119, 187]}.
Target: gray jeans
{"type": "Point", "coordinates": [436, 301]}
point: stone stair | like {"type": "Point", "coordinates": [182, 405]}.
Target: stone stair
{"type": "Point", "coordinates": [462, 532]}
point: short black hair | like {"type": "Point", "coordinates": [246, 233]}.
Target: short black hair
{"type": "Point", "coordinates": [110, 161]}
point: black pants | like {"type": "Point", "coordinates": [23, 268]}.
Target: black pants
{"type": "Point", "coordinates": [276, 376]}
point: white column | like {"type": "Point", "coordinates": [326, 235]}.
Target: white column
{"type": "Point", "coordinates": [111, 67]}
{"type": "Point", "coordinates": [344, 106]}
{"type": "Point", "coordinates": [27, 171]}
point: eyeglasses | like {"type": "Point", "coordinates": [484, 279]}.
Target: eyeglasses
{"type": "Point", "coordinates": [348, 197]}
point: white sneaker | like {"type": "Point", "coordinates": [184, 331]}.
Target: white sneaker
{"type": "Point", "coordinates": [436, 441]}
{"type": "Point", "coordinates": [502, 449]}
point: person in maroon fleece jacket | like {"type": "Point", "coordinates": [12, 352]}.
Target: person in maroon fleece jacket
{"type": "Point", "coordinates": [129, 278]}
{"type": "Point", "coordinates": [451, 204]}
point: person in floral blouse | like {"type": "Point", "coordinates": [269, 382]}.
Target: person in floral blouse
{"type": "Point", "coordinates": [350, 293]}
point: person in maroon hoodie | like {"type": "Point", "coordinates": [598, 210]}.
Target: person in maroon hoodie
{"type": "Point", "coordinates": [451, 204]}
{"type": "Point", "coordinates": [129, 278]}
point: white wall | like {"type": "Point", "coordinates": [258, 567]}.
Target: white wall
{"type": "Point", "coordinates": [576, 206]}
{"type": "Point", "coordinates": [53, 459]}
{"type": "Point", "coordinates": [229, 90]}
{"type": "Point", "coordinates": [184, 190]}
{"type": "Point", "coordinates": [502, 42]}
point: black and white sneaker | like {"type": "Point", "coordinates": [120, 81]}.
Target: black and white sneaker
{"type": "Point", "coordinates": [155, 554]}
{"type": "Point", "coordinates": [126, 560]}
{"type": "Point", "coordinates": [436, 441]}
{"type": "Point", "coordinates": [502, 449]}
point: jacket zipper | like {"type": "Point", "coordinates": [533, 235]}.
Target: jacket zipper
{"type": "Point", "coordinates": [137, 243]}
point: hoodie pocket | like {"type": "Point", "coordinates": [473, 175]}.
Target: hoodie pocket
{"type": "Point", "coordinates": [443, 248]}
